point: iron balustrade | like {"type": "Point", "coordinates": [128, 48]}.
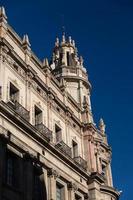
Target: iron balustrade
{"type": "Point", "coordinates": [44, 131]}
{"type": "Point", "coordinates": [81, 162]}
{"type": "Point", "coordinates": [20, 109]}
{"type": "Point", "coordinates": [64, 148]}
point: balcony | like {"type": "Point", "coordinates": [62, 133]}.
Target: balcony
{"type": "Point", "coordinates": [20, 109]}
{"type": "Point", "coordinates": [81, 162]}
{"type": "Point", "coordinates": [64, 148]}
{"type": "Point", "coordinates": [44, 131]}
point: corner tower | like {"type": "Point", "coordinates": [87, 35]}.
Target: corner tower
{"type": "Point", "coordinates": [69, 68]}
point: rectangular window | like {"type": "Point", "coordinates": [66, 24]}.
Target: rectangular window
{"type": "Point", "coordinates": [12, 169]}
{"type": "Point", "coordinates": [59, 192]}
{"type": "Point", "coordinates": [38, 116]}
{"type": "Point", "coordinates": [75, 149]}
{"type": "Point", "coordinates": [13, 93]}
{"type": "Point", "coordinates": [58, 133]}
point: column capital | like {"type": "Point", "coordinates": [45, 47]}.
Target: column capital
{"type": "Point", "coordinates": [52, 173]}
{"type": "Point", "coordinates": [72, 186]}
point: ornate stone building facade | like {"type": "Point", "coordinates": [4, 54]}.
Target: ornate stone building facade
{"type": "Point", "coordinates": [50, 148]}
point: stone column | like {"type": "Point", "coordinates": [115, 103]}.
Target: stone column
{"type": "Point", "coordinates": [45, 180]}
{"type": "Point", "coordinates": [29, 77]}
{"type": "Point", "coordinates": [109, 175]}
{"type": "Point", "coordinates": [52, 175]}
{"type": "Point", "coordinates": [49, 110]}
{"type": "Point", "coordinates": [91, 153]}
{"type": "Point", "coordinates": [81, 93]}
{"type": "Point", "coordinates": [98, 163]}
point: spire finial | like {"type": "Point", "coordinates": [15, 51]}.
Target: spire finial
{"type": "Point", "coordinates": [81, 60]}
{"type": "Point", "coordinates": [73, 43]}
{"type": "Point", "coordinates": [102, 126]}
{"type": "Point", "coordinates": [70, 40]}
{"type": "Point", "coordinates": [3, 14]}
{"type": "Point", "coordinates": [57, 42]}
{"type": "Point", "coordinates": [63, 38]}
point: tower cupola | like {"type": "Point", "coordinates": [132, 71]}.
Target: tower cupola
{"type": "Point", "coordinates": [68, 66]}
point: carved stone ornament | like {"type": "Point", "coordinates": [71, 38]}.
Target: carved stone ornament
{"type": "Point", "coordinates": [86, 196]}
{"type": "Point", "coordinates": [53, 173]}
{"type": "Point", "coordinates": [72, 186]}
{"type": "Point", "coordinates": [90, 138]}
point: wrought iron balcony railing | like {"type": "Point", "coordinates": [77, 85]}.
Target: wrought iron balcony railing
{"type": "Point", "coordinates": [81, 162]}
{"type": "Point", "coordinates": [20, 109]}
{"type": "Point", "coordinates": [44, 131]}
{"type": "Point", "coordinates": [64, 148]}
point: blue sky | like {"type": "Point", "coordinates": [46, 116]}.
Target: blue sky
{"type": "Point", "coordinates": [103, 31]}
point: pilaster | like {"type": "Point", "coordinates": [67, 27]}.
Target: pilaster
{"type": "Point", "coordinates": [52, 176]}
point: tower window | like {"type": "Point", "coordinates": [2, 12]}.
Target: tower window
{"type": "Point", "coordinates": [59, 192]}
{"type": "Point", "coordinates": [58, 133]}
{"type": "Point", "coordinates": [14, 93]}
{"type": "Point", "coordinates": [68, 58]}
{"type": "Point", "coordinates": [75, 149]}
{"type": "Point", "coordinates": [38, 116]}
{"type": "Point", "coordinates": [103, 169]}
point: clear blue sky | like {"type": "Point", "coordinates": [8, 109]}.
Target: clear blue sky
{"type": "Point", "coordinates": [103, 31]}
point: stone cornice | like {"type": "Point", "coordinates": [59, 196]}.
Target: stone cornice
{"type": "Point", "coordinates": [110, 190]}
{"type": "Point", "coordinates": [96, 177]}
{"type": "Point", "coordinates": [86, 82]}
{"type": "Point", "coordinates": [29, 69]}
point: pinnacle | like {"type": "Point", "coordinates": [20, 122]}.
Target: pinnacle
{"type": "Point", "coordinates": [45, 62]}
{"type": "Point", "coordinates": [26, 40]}
{"type": "Point", "coordinates": [2, 12]}
{"type": "Point", "coordinates": [57, 42]}
{"type": "Point", "coordinates": [101, 122]}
